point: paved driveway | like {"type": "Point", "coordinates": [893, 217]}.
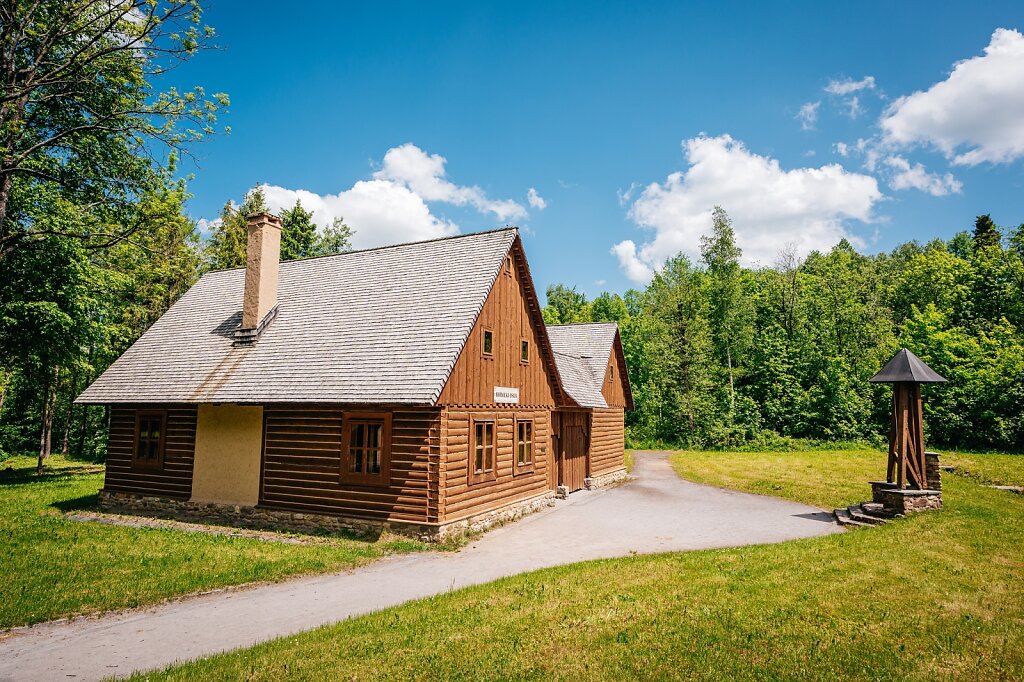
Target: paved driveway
{"type": "Point", "coordinates": [656, 512]}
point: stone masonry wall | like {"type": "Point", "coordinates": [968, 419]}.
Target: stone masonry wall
{"type": "Point", "coordinates": [259, 517]}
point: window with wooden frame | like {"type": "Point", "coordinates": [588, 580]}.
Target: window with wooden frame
{"type": "Point", "coordinates": [487, 343]}
{"type": "Point", "coordinates": [508, 265]}
{"type": "Point", "coordinates": [524, 446]}
{"type": "Point", "coordinates": [611, 373]}
{"type": "Point", "coordinates": [482, 451]}
{"type": "Point", "coordinates": [150, 438]}
{"type": "Point", "coordinates": [524, 352]}
{"type": "Point", "coordinates": [366, 448]}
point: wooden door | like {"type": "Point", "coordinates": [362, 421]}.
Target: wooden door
{"type": "Point", "coordinates": [573, 442]}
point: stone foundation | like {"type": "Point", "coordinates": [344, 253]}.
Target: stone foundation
{"type": "Point", "coordinates": [304, 522]}
{"type": "Point", "coordinates": [904, 501]}
{"type": "Point", "coordinates": [477, 523]}
{"type": "Point", "coordinates": [605, 480]}
{"type": "Point", "coordinates": [932, 471]}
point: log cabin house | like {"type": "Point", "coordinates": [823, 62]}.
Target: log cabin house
{"type": "Point", "coordinates": [411, 387]}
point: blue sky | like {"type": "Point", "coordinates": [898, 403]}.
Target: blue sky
{"type": "Point", "coordinates": [879, 122]}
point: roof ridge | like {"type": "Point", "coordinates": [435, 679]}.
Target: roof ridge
{"type": "Point", "coordinates": [582, 324]}
{"type": "Point", "coordinates": [507, 228]}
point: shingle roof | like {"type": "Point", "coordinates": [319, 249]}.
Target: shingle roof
{"type": "Point", "coordinates": [581, 355]}
{"type": "Point", "coordinates": [905, 366]}
{"type": "Point", "coordinates": [377, 326]}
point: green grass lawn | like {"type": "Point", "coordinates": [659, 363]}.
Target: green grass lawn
{"type": "Point", "coordinates": [55, 567]}
{"type": "Point", "coordinates": [936, 596]}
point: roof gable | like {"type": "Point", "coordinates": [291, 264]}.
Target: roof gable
{"type": "Point", "coordinates": [582, 354]}
{"type": "Point", "coordinates": [377, 326]}
{"type": "Point", "coordinates": [512, 313]}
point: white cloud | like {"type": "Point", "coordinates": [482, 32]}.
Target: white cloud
{"type": "Point", "coordinates": [769, 206]}
{"type": "Point", "coordinates": [424, 174]}
{"type": "Point", "coordinates": [536, 201]}
{"type": "Point", "coordinates": [206, 227]}
{"type": "Point", "coordinates": [392, 206]}
{"type": "Point", "coordinates": [849, 86]}
{"type": "Point", "coordinates": [631, 263]}
{"type": "Point", "coordinates": [976, 115]}
{"type": "Point", "coordinates": [378, 211]}
{"type": "Point", "coordinates": [853, 107]}
{"type": "Point", "coordinates": [808, 115]}
{"type": "Point", "coordinates": [915, 176]}
{"type": "Point", "coordinates": [842, 148]}
{"type": "Point", "coordinates": [626, 196]}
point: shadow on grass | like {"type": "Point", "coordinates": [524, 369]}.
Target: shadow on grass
{"type": "Point", "coordinates": [83, 503]}
{"type": "Point", "coordinates": [13, 477]}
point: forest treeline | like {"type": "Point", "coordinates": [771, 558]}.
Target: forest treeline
{"type": "Point", "coordinates": [722, 355]}
{"type": "Point", "coordinates": [96, 244]}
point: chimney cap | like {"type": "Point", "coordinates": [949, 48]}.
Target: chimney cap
{"type": "Point", "coordinates": [263, 217]}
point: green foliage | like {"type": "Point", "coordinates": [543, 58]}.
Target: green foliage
{"type": "Point", "coordinates": [80, 116]}
{"type": "Point", "coordinates": [229, 237]}
{"type": "Point", "coordinates": [726, 356]}
{"type": "Point", "coordinates": [300, 237]}
{"type": "Point", "coordinates": [565, 305]}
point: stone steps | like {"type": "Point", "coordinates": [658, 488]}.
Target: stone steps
{"type": "Point", "coordinates": [864, 514]}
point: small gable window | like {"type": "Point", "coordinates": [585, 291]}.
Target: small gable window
{"type": "Point", "coordinates": [508, 265]}
{"type": "Point", "coordinates": [611, 373]}
{"type": "Point", "coordinates": [524, 446]}
{"type": "Point", "coordinates": [488, 342]}
{"type": "Point", "coordinates": [481, 451]}
{"type": "Point", "coordinates": [366, 448]}
{"type": "Point", "coordinates": [524, 351]}
{"type": "Point", "coordinates": [150, 426]}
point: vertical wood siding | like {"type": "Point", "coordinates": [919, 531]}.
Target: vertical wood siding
{"type": "Point", "coordinates": [175, 478]}
{"type": "Point", "coordinates": [462, 499]}
{"type": "Point", "coordinates": [574, 441]}
{"type": "Point", "coordinates": [511, 316]}
{"type": "Point", "coordinates": [614, 391]}
{"type": "Point", "coordinates": [607, 441]}
{"type": "Point", "coordinates": [302, 463]}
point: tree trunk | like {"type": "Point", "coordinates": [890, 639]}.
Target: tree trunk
{"type": "Point", "coordinates": [49, 398]}
{"type": "Point", "coordinates": [70, 414]}
{"type": "Point", "coordinates": [732, 385]}
{"type": "Point", "coordinates": [81, 432]}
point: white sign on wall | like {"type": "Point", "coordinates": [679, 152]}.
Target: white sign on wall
{"type": "Point", "coordinates": [503, 394]}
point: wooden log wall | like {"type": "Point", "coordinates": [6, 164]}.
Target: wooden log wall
{"type": "Point", "coordinates": [607, 441]}
{"type": "Point", "coordinates": [175, 478]}
{"type": "Point", "coordinates": [302, 463]}
{"type": "Point", "coordinates": [459, 498]}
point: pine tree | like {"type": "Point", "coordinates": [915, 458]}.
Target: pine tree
{"type": "Point", "coordinates": [298, 233]}
{"type": "Point", "coordinates": [227, 245]}
{"type": "Point", "coordinates": [985, 233]}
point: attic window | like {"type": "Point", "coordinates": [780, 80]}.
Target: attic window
{"type": "Point", "coordinates": [508, 265]}
{"type": "Point", "coordinates": [524, 351]}
{"type": "Point", "coordinates": [488, 343]}
{"type": "Point", "coordinates": [611, 373]}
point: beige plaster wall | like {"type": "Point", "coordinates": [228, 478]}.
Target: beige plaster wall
{"type": "Point", "coordinates": [227, 460]}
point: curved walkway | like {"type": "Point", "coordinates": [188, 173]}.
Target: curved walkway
{"type": "Point", "coordinates": [656, 512]}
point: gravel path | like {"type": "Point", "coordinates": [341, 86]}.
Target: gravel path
{"type": "Point", "coordinates": [656, 512]}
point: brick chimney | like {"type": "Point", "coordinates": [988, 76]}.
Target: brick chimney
{"type": "Point", "coordinates": [263, 256]}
